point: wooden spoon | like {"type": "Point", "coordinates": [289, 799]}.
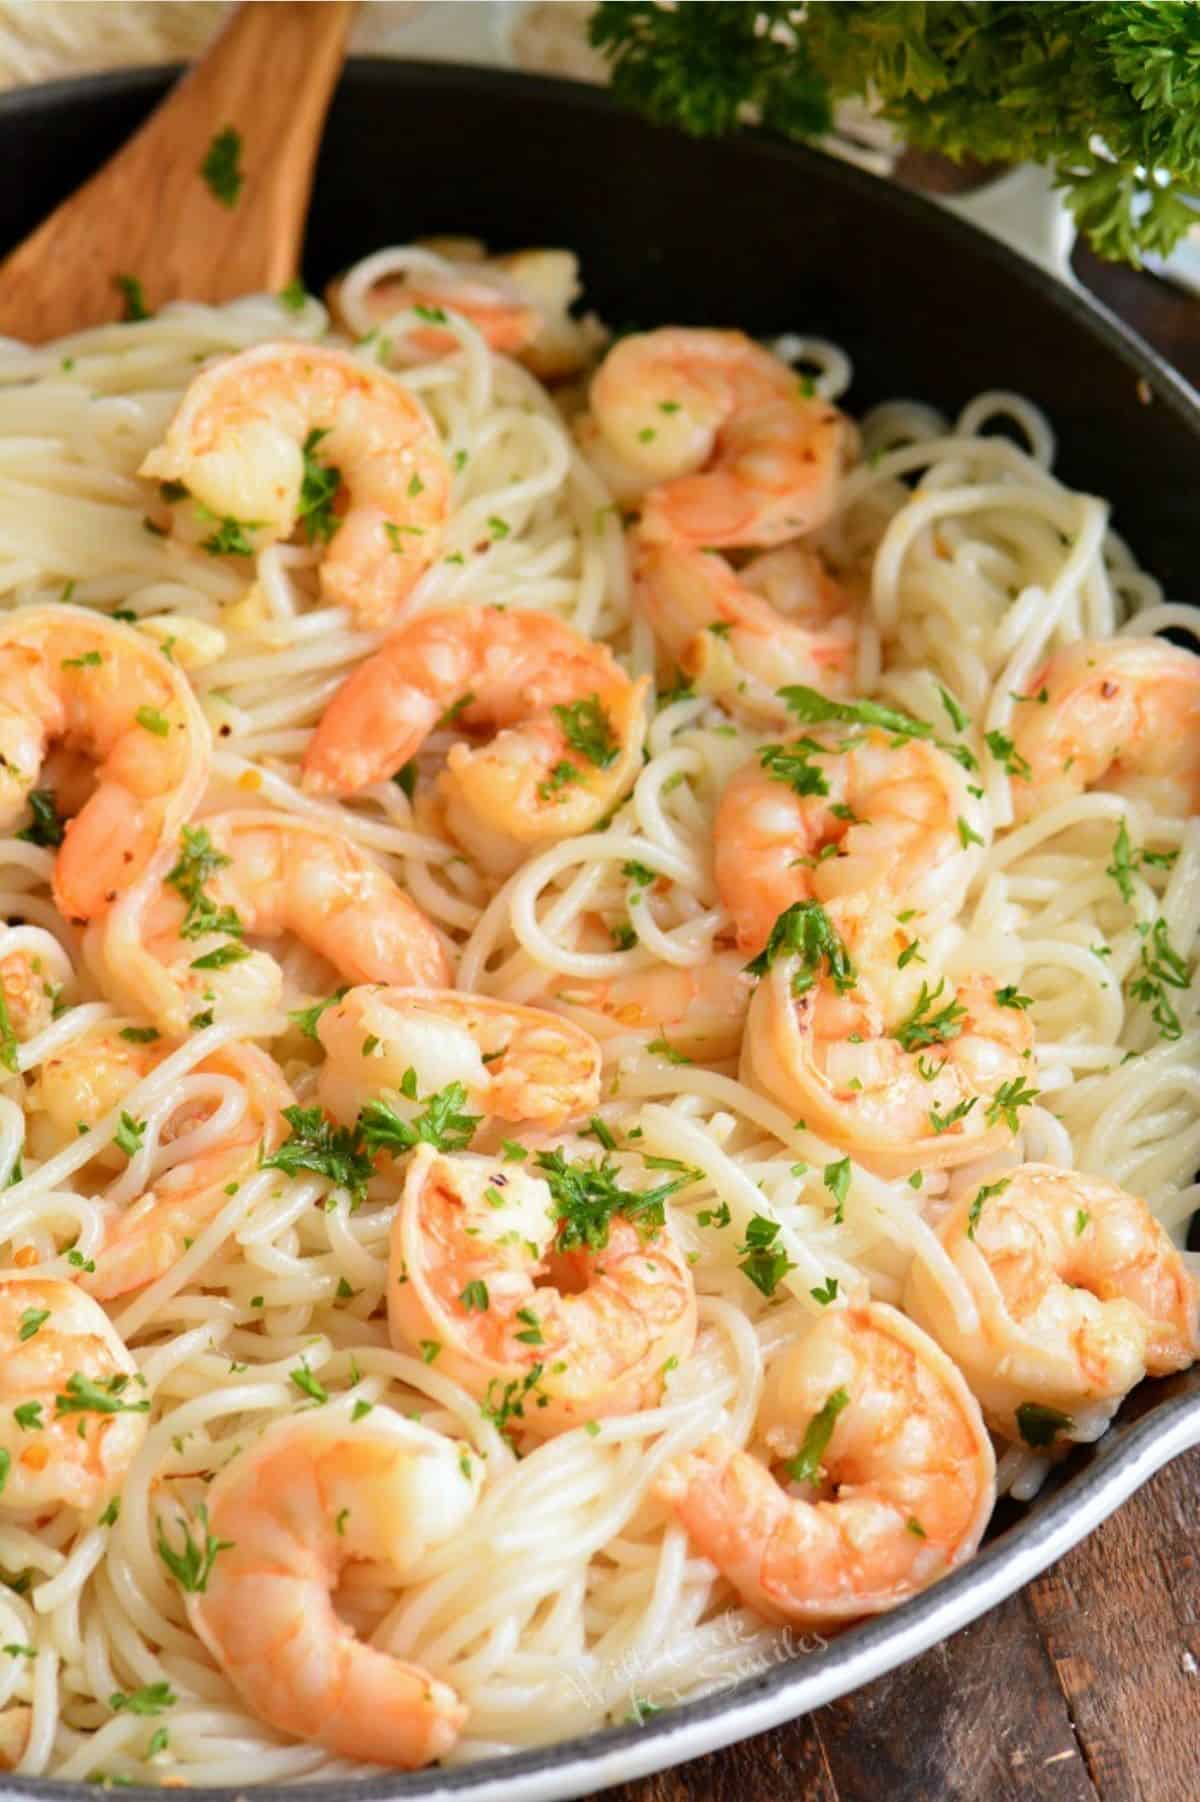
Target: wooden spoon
{"type": "Point", "coordinates": [253, 107]}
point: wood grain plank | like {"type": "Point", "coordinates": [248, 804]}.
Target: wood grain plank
{"type": "Point", "coordinates": [1120, 1619]}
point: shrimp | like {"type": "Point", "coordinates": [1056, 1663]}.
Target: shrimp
{"type": "Point", "coordinates": [741, 636]}
{"type": "Point", "coordinates": [16, 1719]}
{"type": "Point", "coordinates": [152, 1233]}
{"type": "Point", "coordinates": [514, 1063]}
{"type": "Point", "coordinates": [903, 1071]}
{"type": "Point", "coordinates": [738, 454]}
{"type": "Point", "coordinates": [895, 1475]}
{"type": "Point", "coordinates": [263, 875]}
{"type": "Point", "coordinates": [891, 811]}
{"type": "Point", "coordinates": [1080, 1295]}
{"type": "Point", "coordinates": [519, 303]}
{"type": "Point", "coordinates": [244, 442]}
{"type": "Point", "coordinates": [570, 723]}
{"type": "Point", "coordinates": [73, 1413]}
{"type": "Point", "coordinates": [74, 678]}
{"type": "Point", "coordinates": [87, 1078]}
{"type": "Point", "coordinates": [27, 995]}
{"type": "Point", "coordinates": [701, 1007]}
{"type": "Point", "coordinates": [1119, 713]}
{"type": "Point", "coordinates": [552, 1329]}
{"type": "Point", "coordinates": [313, 1494]}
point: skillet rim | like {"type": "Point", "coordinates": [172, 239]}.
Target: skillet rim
{"type": "Point", "coordinates": [1131, 1451]}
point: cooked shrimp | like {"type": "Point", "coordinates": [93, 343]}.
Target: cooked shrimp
{"type": "Point", "coordinates": [72, 677]}
{"type": "Point", "coordinates": [74, 1407]}
{"type": "Point", "coordinates": [701, 1008]}
{"type": "Point", "coordinates": [1119, 713]}
{"type": "Point", "coordinates": [570, 723]}
{"type": "Point", "coordinates": [149, 1235]}
{"type": "Point", "coordinates": [738, 454]}
{"type": "Point", "coordinates": [560, 1336]}
{"type": "Point", "coordinates": [15, 1721]}
{"type": "Point", "coordinates": [313, 1494]}
{"type": "Point", "coordinates": [901, 1487]}
{"type": "Point", "coordinates": [27, 995]}
{"type": "Point", "coordinates": [742, 636]}
{"type": "Point", "coordinates": [520, 303]}
{"type": "Point", "coordinates": [262, 875]}
{"type": "Point", "coordinates": [89, 1076]}
{"type": "Point", "coordinates": [515, 1063]}
{"type": "Point", "coordinates": [1080, 1295]}
{"type": "Point", "coordinates": [244, 440]}
{"type": "Point", "coordinates": [902, 1069]}
{"type": "Point", "coordinates": [891, 810]}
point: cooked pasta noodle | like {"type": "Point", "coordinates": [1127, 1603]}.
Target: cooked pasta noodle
{"type": "Point", "coordinates": [570, 1596]}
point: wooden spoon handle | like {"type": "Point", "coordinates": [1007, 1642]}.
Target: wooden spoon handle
{"type": "Point", "coordinates": [152, 214]}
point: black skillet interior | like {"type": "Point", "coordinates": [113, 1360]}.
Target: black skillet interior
{"type": "Point", "coordinates": [749, 233]}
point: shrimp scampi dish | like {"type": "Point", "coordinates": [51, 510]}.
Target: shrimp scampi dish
{"type": "Point", "coordinates": [598, 1013]}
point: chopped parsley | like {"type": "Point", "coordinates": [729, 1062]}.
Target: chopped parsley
{"type": "Point", "coordinates": [804, 930]}
{"type": "Point", "coordinates": [153, 721]}
{"type": "Point", "coordinates": [139, 1035]}
{"type": "Point", "coordinates": [293, 296]}
{"type": "Point", "coordinates": [46, 827]}
{"type": "Point", "coordinates": [1006, 753]}
{"type": "Point", "coordinates": [587, 1195]}
{"type": "Point", "coordinates": [1009, 1098]}
{"type": "Point", "coordinates": [791, 764]}
{"type": "Point", "coordinates": [1039, 1425]}
{"type": "Point", "coordinates": [192, 1566]}
{"type": "Point", "coordinates": [131, 292]}
{"type": "Point", "coordinates": [31, 1320]}
{"type": "Point", "coordinates": [826, 1291]}
{"type": "Point", "coordinates": [985, 1194]}
{"type": "Point", "coordinates": [152, 1698]}
{"type": "Point", "coordinates": [442, 1123]}
{"type": "Point", "coordinates": [220, 167]}
{"type": "Point", "coordinates": [763, 1262]}
{"type": "Point", "coordinates": [1162, 967]}
{"type": "Point", "coordinates": [805, 1467]}
{"type": "Point", "coordinates": [474, 1298]}
{"type": "Point", "coordinates": [942, 1123]}
{"type": "Point", "coordinates": [504, 1402]}
{"type": "Point", "coordinates": [307, 1383]}
{"type": "Point", "coordinates": [315, 1144]}
{"type": "Point", "coordinates": [588, 730]}
{"type": "Point", "coordinates": [926, 1027]}
{"type": "Point", "coordinates": [318, 486]}
{"type": "Point", "coordinates": [82, 1396]}
{"type": "Point", "coordinates": [129, 1134]}
{"type": "Point", "coordinates": [306, 1018]}
{"type": "Point", "coordinates": [1009, 996]}
{"type": "Point", "coordinates": [229, 539]}
{"type": "Point", "coordinates": [836, 1178]}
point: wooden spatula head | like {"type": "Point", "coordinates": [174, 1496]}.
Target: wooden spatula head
{"type": "Point", "coordinates": [207, 201]}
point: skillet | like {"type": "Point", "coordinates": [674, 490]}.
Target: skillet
{"type": "Point", "coordinates": [769, 237]}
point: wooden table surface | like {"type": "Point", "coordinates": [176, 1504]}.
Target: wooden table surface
{"type": "Point", "coordinates": [1084, 1687]}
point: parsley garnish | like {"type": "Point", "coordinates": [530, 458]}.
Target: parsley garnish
{"type": "Point", "coordinates": [153, 721]}
{"type": "Point", "coordinates": [293, 296]}
{"type": "Point", "coordinates": [442, 1123]}
{"type": "Point", "coordinates": [306, 1017]}
{"type": "Point", "coordinates": [31, 1320]}
{"type": "Point", "coordinates": [220, 167]}
{"type": "Point", "coordinates": [1039, 1425]}
{"type": "Point", "coordinates": [1162, 968]}
{"type": "Point", "coordinates": [762, 1261]}
{"type": "Point", "coordinates": [587, 1195]}
{"type": "Point", "coordinates": [1008, 1099]}
{"type": "Point", "coordinates": [192, 1567]}
{"type": "Point", "coordinates": [924, 1027]}
{"type": "Point", "coordinates": [129, 1135]}
{"type": "Point", "coordinates": [327, 1150]}
{"type": "Point", "coordinates": [318, 487]}
{"type": "Point", "coordinates": [152, 1698]}
{"type": "Point", "coordinates": [46, 827]}
{"type": "Point", "coordinates": [984, 1194]}
{"type": "Point", "coordinates": [1004, 751]}
{"type": "Point", "coordinates": [790, 764]}
{"type": "Point", "coordinates": [805, 1467]}
{"type": "Point", "coordinates": [130, 289]}
{"type": "Point", "coordinates": [588, 730]}
{"type": "Point", "coordinates": [804, 930]}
